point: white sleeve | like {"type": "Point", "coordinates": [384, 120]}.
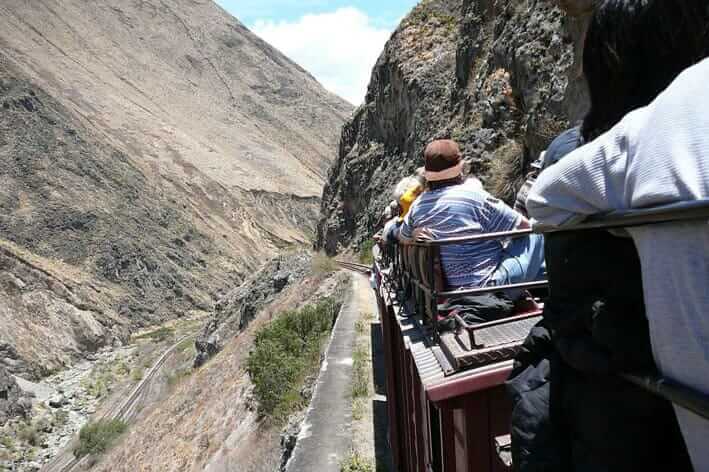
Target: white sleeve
{"type": "Point", "coordinates": [588, 181]}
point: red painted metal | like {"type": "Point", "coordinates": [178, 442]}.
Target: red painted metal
{"type": "Point", "coordinates": [477, 381]}
{"type": "Point", "coordinates": [439, 424]}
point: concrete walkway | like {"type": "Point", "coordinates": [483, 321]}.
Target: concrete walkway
{"type": "Point", "coordinates": [326, 437]}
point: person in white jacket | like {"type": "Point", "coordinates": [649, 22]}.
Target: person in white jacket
{"type": "Point", "coordinates": [656, 155]}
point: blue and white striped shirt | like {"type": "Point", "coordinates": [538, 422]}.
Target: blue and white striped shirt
{"type": "Point", "coordinates": [458, 211]}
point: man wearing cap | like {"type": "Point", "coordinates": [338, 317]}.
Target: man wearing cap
{"type": "Point", "coordinates": [452, 208]}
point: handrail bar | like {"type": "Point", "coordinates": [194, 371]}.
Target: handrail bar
{"type": "Point", "coordinates": [494, 288]}
{"type": "Point", "coordinates": [518, 233]}
{"type": "Point", "coordinates": [682, 211]}
{"type": "Point", "coordinates": [673, 392]}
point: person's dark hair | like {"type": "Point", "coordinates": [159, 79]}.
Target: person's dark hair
{"type": "Point", "coordinates": [634, 49]}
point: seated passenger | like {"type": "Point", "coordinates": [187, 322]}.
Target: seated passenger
{"type": "Point", "coordinates": [656, 155]}
{"type": "Point", "coordinates": [562, 145]}
{"type": "Point", "coordinates": [405, 194]}
{"type": "Point", "coordinates": [453, 207]}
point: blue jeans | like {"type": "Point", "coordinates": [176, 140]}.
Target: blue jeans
{"type": "Point", "coordinates": [523, 261]}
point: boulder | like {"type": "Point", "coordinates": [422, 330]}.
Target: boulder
{"type": "Point", "coordinates": [13, 402]}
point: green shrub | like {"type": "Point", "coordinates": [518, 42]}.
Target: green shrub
{"type": "Point", "coordinates": [97, 438]}
{"type": "Point", "coordinates": [285, 353]}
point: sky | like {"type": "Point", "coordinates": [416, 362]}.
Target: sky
{"type": "Point", "coordinates": [338, 41]}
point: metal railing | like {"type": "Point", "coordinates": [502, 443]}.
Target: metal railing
{"type": "Point", "coordinates": [426, 292]}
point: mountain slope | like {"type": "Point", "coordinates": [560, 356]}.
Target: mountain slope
{"type": "Point", "coordinates": [152, 153]}
{"type": "Point", "coordinates": [500, 77]}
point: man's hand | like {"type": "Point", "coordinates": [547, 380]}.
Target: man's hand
{"type": "Point", "coordinates": [423, 234]}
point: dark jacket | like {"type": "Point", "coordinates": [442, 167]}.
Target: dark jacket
{"type": "Point", "coordinates": [571, 410]}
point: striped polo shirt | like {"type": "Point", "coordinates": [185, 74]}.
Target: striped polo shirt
{"type": "Point", "coordinates": [457, 211]}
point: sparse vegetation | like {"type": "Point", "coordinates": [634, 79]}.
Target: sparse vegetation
{"type": "Point", "coordinates": [178, 376]}
{"type": "Point", "coordinates": [354, 462]}
{"type": "Point", "coordinates": [506, 172]}
{"type": "Point", "coordinates": [61, 418]}
{"type": "Point", "coordinates": [137, 374]}
{"type": "Point", "coordinates": [323, 264]}
{"type": "Point", "coordinates": [100, 383]}
{"type": "Point", "coordinates": [28, 433]}
{"type": "Point", "coordinates": [97, 438]}
{"type": "Point", "coordinates": [122, 369]}
{"type": "Point", "coordinates": [159, 335]}
{"type": "Point", "coordinates": [285, 353]}
{"type": "Point", "coordinates": [7, 442]}
{"type": "Point", "coordinates": [424, 14]}
{"type": "Point", "coordinates": [186, 346]}
{"type": "Point", "coordinates": [365, 252]}
{"type": "Point", "coordinates": [359, 407]}
{"type": "Point", "coordinates": [360, 372]}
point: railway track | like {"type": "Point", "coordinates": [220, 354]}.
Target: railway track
{"type": "Point", "coordinates": [126, 410]}
{"type": "Point", "coordinates": [354, 267]}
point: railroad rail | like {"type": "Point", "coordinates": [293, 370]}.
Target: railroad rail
{"type": "Point", "coordinates": [125, 411]}
{"type": "Point", "coordinates": [354, 267]}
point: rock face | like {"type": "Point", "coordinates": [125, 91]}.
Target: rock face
{"type": "Point", "coordinates": [12, 400]}
{"type": "Point", "coordinates": [238, 308]}
{"type": "Point", "coordinates": [152, 153]}
{"type": "Point", "coordinates": [500, 77]}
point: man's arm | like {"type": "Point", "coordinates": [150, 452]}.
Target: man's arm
{"type": "Point", "coordinates": [588, 181]}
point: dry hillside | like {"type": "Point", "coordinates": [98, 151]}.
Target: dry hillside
{"type": "Point", "coordinates": [152, 152]}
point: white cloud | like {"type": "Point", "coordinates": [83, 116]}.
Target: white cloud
{"type": "Point", "coordinates": [338, 48]}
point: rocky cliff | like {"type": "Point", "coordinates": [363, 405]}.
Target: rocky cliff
{"type": "Point", "coordinates": [152, 153]}
{"type": "Point", "coordinates": [234, 312]}
{"type": "Point", "coordinates": [501, 77]}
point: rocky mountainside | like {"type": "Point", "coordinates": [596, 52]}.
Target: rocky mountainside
{"type": "Point", "coordinates": [502, 77]}
{"type": "Point", "coordinates": [152, 153]}
{"type": "Point", "coordinates": [209, 421]}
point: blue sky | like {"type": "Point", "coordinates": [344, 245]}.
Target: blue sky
{"type": "Point", "coordinates": [337, 41]}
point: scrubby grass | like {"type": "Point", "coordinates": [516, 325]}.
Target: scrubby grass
{"type": "Point", "coordinates": [100, 384]}
{"type": "Point", "coordinates": [354, 462]}
{"type": "Point", "coordinates": [506, 173]}
{"type": "Point", "coordinates": [159, 335]}
{"type": "Point", "coordinates": [61, 418]}
{"type": "Point", "coordinates": [178, 376]}
{"type": "Point", "coordinates": [285, 353]}
{"type": "Point", "coordinates": [137, 374]}
{"type": "Point", "coordinates": [28, 434]}
{"type": "Point", "coordinates": [186, 346]}
{"type": "Point", "coordinates": [365, 252]}
{"type": "Point", "coordinates": [360, 372]}
{"type": "Point", "coordinates": [122, 369]}
{"type": "Point", "coordinates": [424, 14]}
{"type": "Point", "coordinates": [97, 438]}
{"type": "Point", "coordinates": [7, 442]}
{"type": "Point", "coordinates": [323, 265]}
